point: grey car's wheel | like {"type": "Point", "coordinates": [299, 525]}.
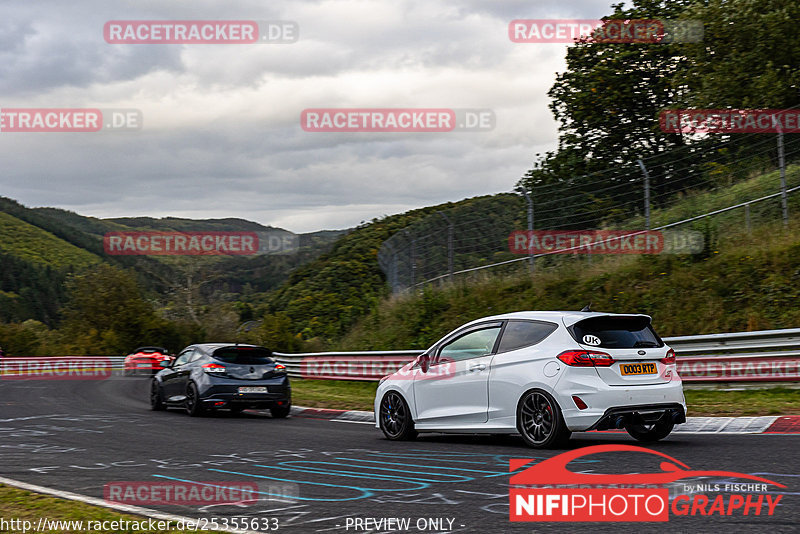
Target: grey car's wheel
{"type": "Point", "coordinates": [540, 422]}
{"type": "Point", "coordinates": [395, 418]}
{"type": "Point", "coordinates": [193, 405]}
{"type": "Point", "coordinates": [651, 432]}
{"type": "Point", "coordinates": [156, 402]}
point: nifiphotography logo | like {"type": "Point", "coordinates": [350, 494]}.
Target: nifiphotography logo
{"type": "Point", "coordinates": [548, 491]}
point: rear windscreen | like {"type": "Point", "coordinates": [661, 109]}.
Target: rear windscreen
{"type": "Point", "coordinates": [243, 355]}
{"type": "Point", "coordinates": [616, 333]}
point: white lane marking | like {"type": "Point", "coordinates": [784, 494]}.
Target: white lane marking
{"type": "Point", "coordinates": [354, 422]}
{"type": "Point", "coordinates": [127, 508]}
{"type": "Point", "coordinates": [32, 417]}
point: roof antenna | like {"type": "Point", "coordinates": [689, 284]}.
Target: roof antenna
{"type": "Point", "coordinates": [587, 308]}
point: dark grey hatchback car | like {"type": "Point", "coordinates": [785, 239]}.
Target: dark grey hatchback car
{"type": "Point", "coordinates": [213, 376]}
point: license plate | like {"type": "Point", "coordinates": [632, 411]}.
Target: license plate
{"type": "Point", "coordinates": [638, 368]}
{"type": "Point", "coordinates": [143, 365]}
{"type": "Point", "coordinates": [253, 389]}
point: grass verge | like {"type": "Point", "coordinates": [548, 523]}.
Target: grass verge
{"type": "Point", "coordinates": [355, 395]}
{"type": "Point", "coordinates": [335, 394]}
{"type": "Point", "coordinates": [21, 505]}
{"type": "Point", "coordinates": [776, 401]}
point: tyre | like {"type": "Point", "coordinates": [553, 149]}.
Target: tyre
{"type": "Point", "coordinates": [540, 422]}
{"type": "Point", "coordinates": [156, 402]}
{"type": "Point", "coordinates": [193, 406]}
{"type": "Point", "coordinates": [395, 418]}
{"type": "Point", "coordinates": [650, 432]}
{"type": "Point", "coordinates": [281, 412]}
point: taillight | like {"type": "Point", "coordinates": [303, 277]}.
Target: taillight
{"type": "Point", "coordinates": [280, 368]}
{"type": "Point", "coordinates": [670, 358]}
{"type": "Point", "coordinates": [214, 368]}
{"type": "Point", "coordinates": [586, 358]}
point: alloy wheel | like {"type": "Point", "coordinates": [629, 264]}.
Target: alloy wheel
{"type": "Point", "coordinates": [537, 417]}
{"type": "Point", "coordinates": [393, 414]}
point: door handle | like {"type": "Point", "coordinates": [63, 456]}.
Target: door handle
{"type": "Point", "coordinates": [477, 367]}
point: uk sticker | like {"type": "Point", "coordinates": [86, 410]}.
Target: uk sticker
{"type": "Point", "coordinates": [591, 340]}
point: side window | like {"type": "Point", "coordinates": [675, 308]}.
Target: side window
{"type": "Point", "coordinates": [472, 345]}
{"type": "Point", "coordinates": [519, 334]}
{"type": "Point", "coordinates": [184, 357]}
{"type": "Point", "coordinates": [196, 354]}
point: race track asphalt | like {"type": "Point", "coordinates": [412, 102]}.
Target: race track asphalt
{"type": "Point", "coordinates": [316, 475]}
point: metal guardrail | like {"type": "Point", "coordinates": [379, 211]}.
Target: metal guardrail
{"type": "Point", "coordinates": [760, 356]}
{"type": "Point", "coordinates": [359, 365]}
{"type": "Point", "coordinates": [765, 355]}
{"type": "Point", "coordinates": [767, 340]}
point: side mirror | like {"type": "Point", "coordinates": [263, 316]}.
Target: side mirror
{"type": "Point", "coordinates": [424, 362]}
{"type": "Point", "coordinates": [165, 363]}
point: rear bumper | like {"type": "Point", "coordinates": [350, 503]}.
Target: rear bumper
{"type": "Point", "coordinates": [604, 401]}
{"type": "Point", "coordinates": [226, 396]}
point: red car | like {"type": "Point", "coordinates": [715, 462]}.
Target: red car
{"type": "Point", "coordinates": [146, 360]}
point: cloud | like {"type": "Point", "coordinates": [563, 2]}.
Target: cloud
{"type": "Point", "coordinates": [222, 136]}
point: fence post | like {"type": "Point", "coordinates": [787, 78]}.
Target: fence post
{"type": "Point", "coordinates": [529, 200]}
{"type": "Point", "coordinates": [747, 216]}
{"type": "Point", "coordinates": [449, 245]}
{"type": "Point", "coordinates": [413, 262]}
{"type": "Point", "coordinates": [782, 165]}
{"type": "Point", "coordinates": [646, 193]}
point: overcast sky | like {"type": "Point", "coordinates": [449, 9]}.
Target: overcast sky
{"type": "Point", "coordinates": [222, 135]}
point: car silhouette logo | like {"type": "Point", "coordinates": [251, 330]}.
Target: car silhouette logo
{"type": "Point", "coordinates": [554, 470]}
{"type": "Point", "coordinates": [642, 353]}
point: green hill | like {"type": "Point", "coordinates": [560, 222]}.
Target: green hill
{"type": "Point", "coordinates": [33, 244]}
{"type": "Point", "coordinates": [41, 247]}
{"type": "Point", "coordinates": [324, 298]}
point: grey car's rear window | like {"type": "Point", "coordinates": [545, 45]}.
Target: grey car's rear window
{"type": "Point", "coordinates": [519, 334]}
{"type": "Point", "coordinates": [243, 355]}
{"type": "Point", "coordinates": [616, 333]}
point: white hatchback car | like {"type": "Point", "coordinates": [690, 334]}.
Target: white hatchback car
{"type": "Point", "coordinates": [543, 375]}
